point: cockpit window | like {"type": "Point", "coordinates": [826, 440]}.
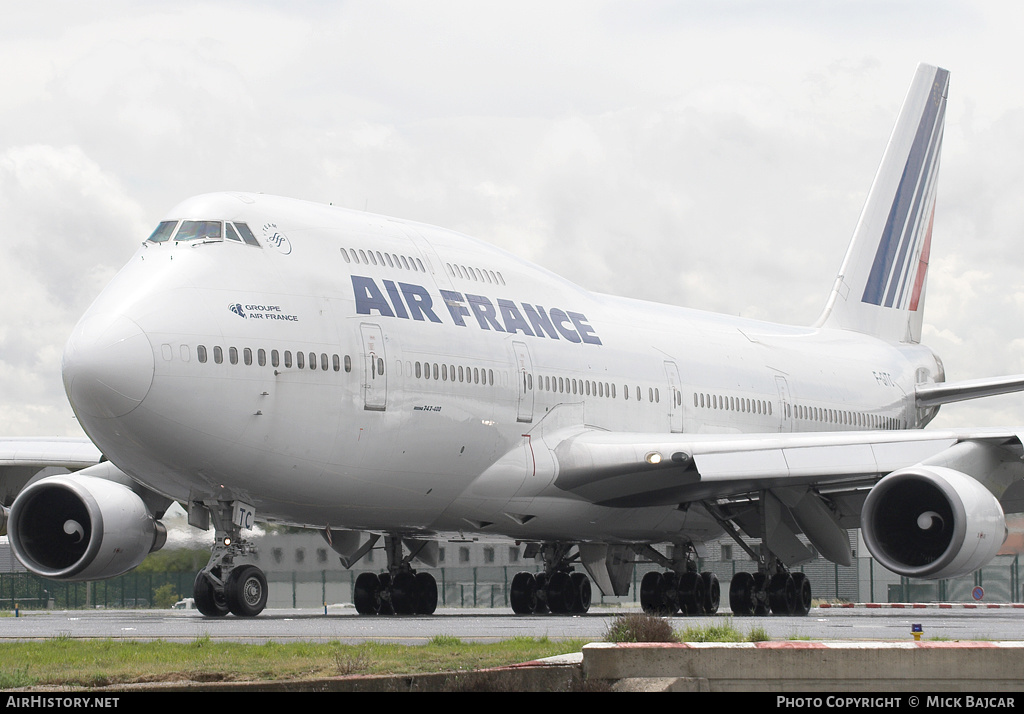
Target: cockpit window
{"type": "Point", "coordinates": [163, 231]}
{"type": "Point", "coordinates": [203, 231]}
{"type": "Point", "coordinates": [199, 230]}
{"type": "Point", "coordinates": [246, 234]}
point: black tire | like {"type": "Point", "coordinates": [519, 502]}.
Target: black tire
{"type": "Point", "coordinates": [366, 594]}
{"type": "Point", "coordinates": [426, 594]}
{"type": "Point", "coordinates": [691, 593]}
{"type": "Point", "coordinates": [561, 596]}
{"type": "Point", "coordinates": [760, 594]}
{"type": "Point", "coordinates": [581, 586]}
{"type": "Point", "coordinates": [652, 593]}
{"type": "Point", "coordinates": [741, 594]}
{"type": "Point", "coordinates": [403, 593]}
{"type": "Point", "coordinates": [782, 594]}
{"type": "Point", "coordinates": [712, 593]}
{"type": "Point", "coordinates": [246, 591]}
{"type": "Point", "coordinates": [523, 593]}
{"type": "Point", "coordinates": [208, 601]}
{"type": "Point", "coordinates": [803, 594]}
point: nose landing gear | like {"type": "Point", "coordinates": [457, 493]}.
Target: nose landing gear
{"type": "Point", "coordinates": [225, 586]}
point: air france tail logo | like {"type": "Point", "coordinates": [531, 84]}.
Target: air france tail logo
{"type": "Point", "coordinates": [414, 302]}
{"type": "Point", "coordinates": [237, 309]}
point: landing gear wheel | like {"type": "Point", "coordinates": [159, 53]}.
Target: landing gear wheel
{"type": "Point", "coordinates": [366, 594]}
{"type": "Point", "coordinates": [208, 601]}
{"type": "Point", "coordinates": [741, 594]}
{"type": "Point", "coordinates": [426, 594]}
{"type": "Point", "coordinates": [652, 593]}
{"type": "Point", "coordinates": [782, 594]}
{"type": "Point", "coordinates": [403, 593]}
{"type": "Point", "coordinates": [802, 586]}
{"type": "Point", "coordinates": [712, 593]}
{"type": "Point", "coordinates": [246, 591]}
{"type": "Point", "coordinates": [523, 593]}
{"type": "Point", "coordinates": [561, 595]}
{"type": "Point", "coordinates": [760, 594]}
{"type": "Point", "coordinates": [387, 607]}
{"type": "Point", "coordinates": [670, 600]}
{"type": "Point", "coordinates": [581, 586]}
{"type": "Point", "coordinates": [690, 593]}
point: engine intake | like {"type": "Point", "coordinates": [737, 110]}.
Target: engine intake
{"type": "Point", "coordinates": [81, 528]}
{"type": "Point", "coordinates": [932, 522]}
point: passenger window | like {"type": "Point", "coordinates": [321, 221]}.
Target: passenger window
{"type": "Point", "coordinates": [162, 232]}
{"type": "Point", "coordinates": [218, 355]}
{"type": "Point", "coordinates": [287, 358]}
{"type": "Point", "coordinates": [300, 360]}
{"type": "Point", "coordinates": [247, 356]}
{"type": "Point", "coordinates": [312, 360]}
{"type": "Point", "coordinates": [323, 361]}
{"type": "Point", "coordinates": [261, 358]}
{"type": "Point", "coordinates": [344, 254]}
{"type": "Point", "coordinates": [201, 353]}
{"type": "Point", "coordinates": [348, 363]}
{"type": "Point", "coordinates": [336, 362]}
{"type": "Point", "coordinates": [275, 358]}
{"type": "Point", "coordinates": [233, 355]}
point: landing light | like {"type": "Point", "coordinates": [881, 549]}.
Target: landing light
{"type": "Point", "coordinates": [653, 458]}
{"type": "Point", "coordinates": [227, 540]}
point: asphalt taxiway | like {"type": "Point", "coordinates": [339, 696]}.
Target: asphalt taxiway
{"type": "Point", "coordinates": [480, 625]}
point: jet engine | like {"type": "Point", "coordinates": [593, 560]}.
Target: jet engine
{"type": "Point", "coordinates": [81, 528]}
{"type": "Point", "coordinates": [932, 522]}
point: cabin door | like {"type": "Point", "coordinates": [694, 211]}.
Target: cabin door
{"type": "Point", "coordinates": [375, 381]}
{"type": "Point", "coordinates": [675, 396]}
{"type": "Point", "coordinates": [524, 382]}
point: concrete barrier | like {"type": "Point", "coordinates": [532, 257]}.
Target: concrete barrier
{"type": "Point", "coordinates": [809, 666]}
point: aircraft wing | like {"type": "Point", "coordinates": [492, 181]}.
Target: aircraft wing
{"type": "Point", "coordinates": [631, 470]}
{"type": "Point", "coordinates": [21, 459]}
{"type": "Point", "coordinates": [930, 503]}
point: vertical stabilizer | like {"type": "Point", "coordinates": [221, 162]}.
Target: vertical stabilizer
{"type": "Point", "coordinates": [881, 285]}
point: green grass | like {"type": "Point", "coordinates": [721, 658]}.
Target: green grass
{"type": "Point", "coordinates": [90, 663]}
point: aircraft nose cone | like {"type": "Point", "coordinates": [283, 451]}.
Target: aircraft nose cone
{"type": "Point", "coordinates": [108, 366]}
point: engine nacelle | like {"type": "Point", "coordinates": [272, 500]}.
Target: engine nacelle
{"type": "Point", "coordinates": [81, 528]}
{"type": "Point", "coordinates": [932, 522]}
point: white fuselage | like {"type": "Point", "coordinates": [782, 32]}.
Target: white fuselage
{"type": "Point", "coordinates": [435, 355]}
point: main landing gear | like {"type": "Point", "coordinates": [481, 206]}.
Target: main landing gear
{"type": "Point", "coordinates": [679, 587]}
{"type": "Point", "coordinates": [399, 591]}
{"type": "Point", "coordinates": [225, 586]}
{"type": "Point", "coordinates": [779, 592]}
{"type": "Point", "coordinates": [558, 589]}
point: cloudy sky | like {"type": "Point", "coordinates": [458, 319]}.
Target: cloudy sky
{"type": "Point", "coordinates": [708, 154]}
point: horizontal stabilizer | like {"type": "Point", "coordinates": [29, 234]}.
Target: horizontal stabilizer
{"type": "Point", "coordinates": [932, 395]}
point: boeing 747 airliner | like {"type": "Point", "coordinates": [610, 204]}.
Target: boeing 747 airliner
{"type": "Point", "coordinates": [263, 358]}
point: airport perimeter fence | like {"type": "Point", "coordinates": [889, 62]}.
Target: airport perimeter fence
{"type": "Point", "coordinates": [488, 586]}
